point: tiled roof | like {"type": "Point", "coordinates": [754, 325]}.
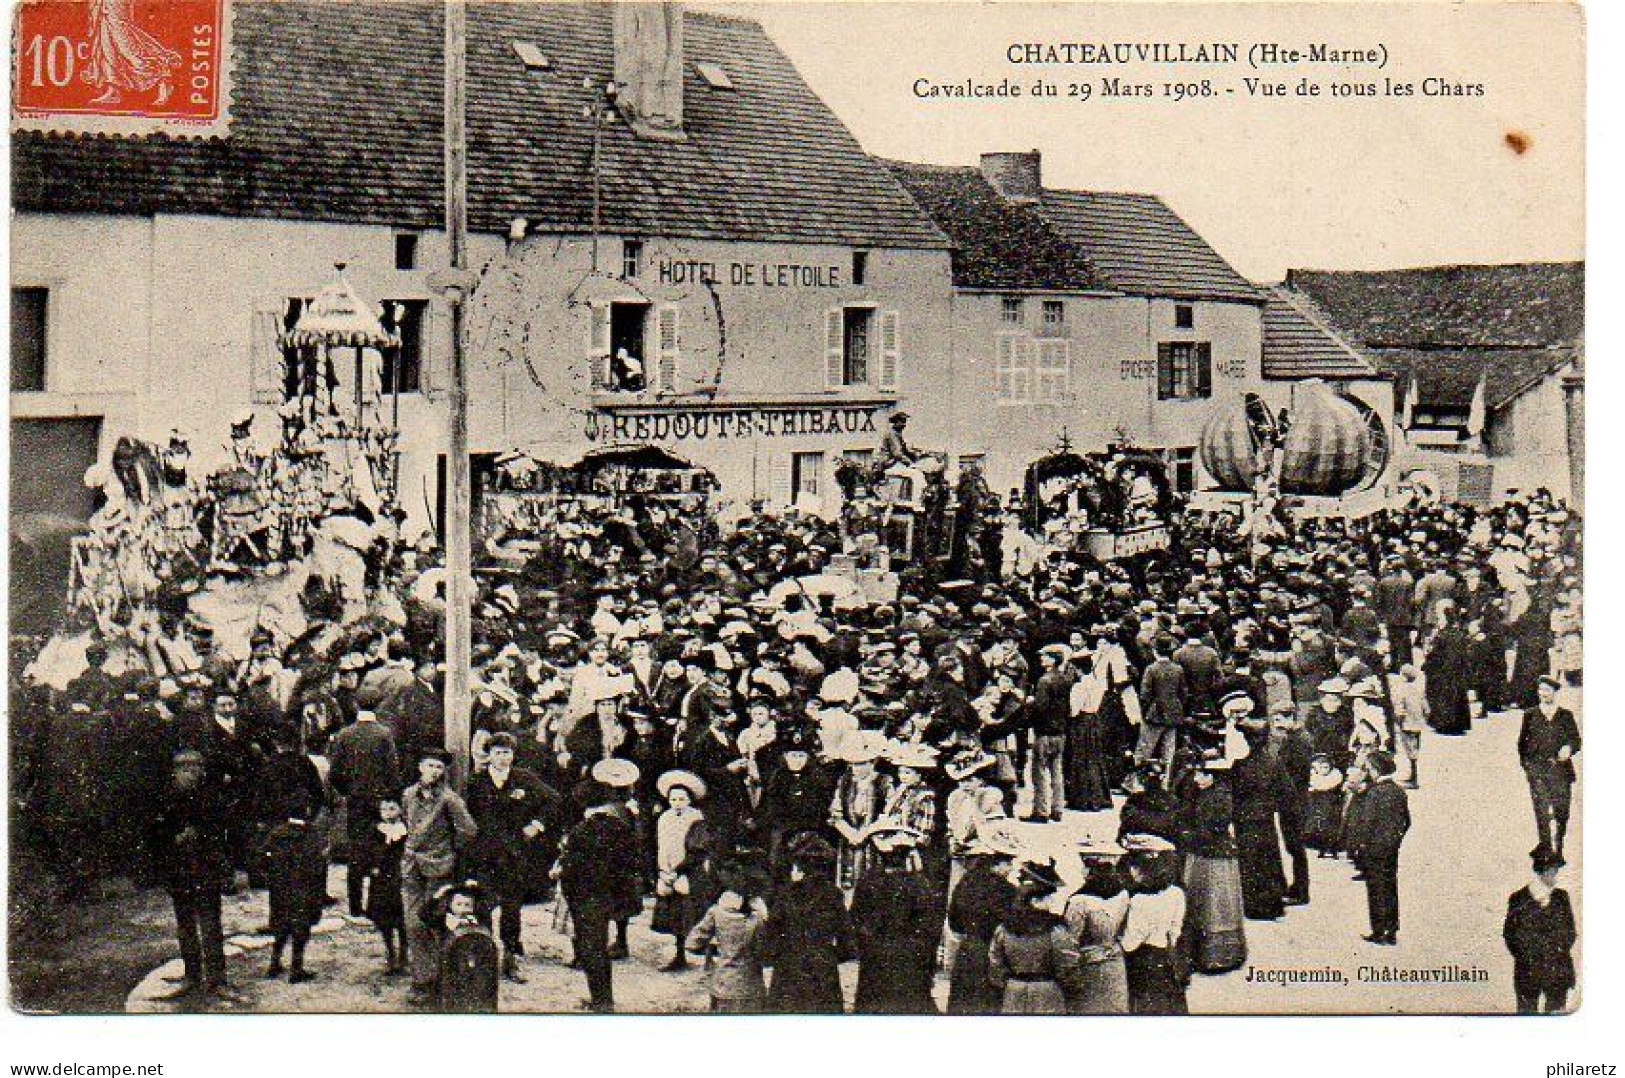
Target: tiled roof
{"type": "Point", "coordinates": [337, 116]}
{"type": "Point", "coordinates": [1448, 327]}
{"type": "Point", "coordinates": [1143, 247]}
{"type": "Point", "coordinates": [1528, 304]}
{"type": "Point", "coordinates": [997, 243]}
{"type": "Point", "coordinates": [1299, 343]}
{"type": "Point", "coordinates": [1446, 378]}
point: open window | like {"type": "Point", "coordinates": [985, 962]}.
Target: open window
{"type": "Point", "coordinates": [628, 348]}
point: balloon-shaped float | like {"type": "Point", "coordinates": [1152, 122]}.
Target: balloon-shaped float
{"type": "Point", "coordinates": [1329, 444]}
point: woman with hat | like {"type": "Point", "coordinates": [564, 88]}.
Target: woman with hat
{"type": "Point", "coordinates": [808, 933]}
{"type": "Point", "coordinates": [1033, 959]}
{"type": "Point", "coordinates": [860, 794]}
{"type": "Point", "coordinates": [1448, 669]}
{"type": "Point", "coordinates": [898, 917]}
{"type": "Point", "coordinates": [1095, 915]}
{"type": "Point", "coordinates": [1256, 784]}
{"type": "Point", "coordinates": [911, 802]}
{"type": "Point", "coordinates": [1211, 874]}
{"type": "Point", "coordinates": [1152, 929]}
{"type": "Point", "coordinates": [978, 904]}
{"type": "Point", "coordinates": [797, 796]}
{"type": "Point", "coordinates": [680, 857]}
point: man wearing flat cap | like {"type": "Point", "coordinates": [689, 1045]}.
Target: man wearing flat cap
{"type": "Point", "coordinates": [438, 829]}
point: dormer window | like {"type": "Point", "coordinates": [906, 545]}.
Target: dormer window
{"type": "Point", "coordinates": [532, 57]}
{"type": "Point", "coordinates": [714, 76]}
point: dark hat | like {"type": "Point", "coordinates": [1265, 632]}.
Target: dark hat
{"type": "Point", "coordinates": [811, 849]}
{"type": "Point", "coordinates": [434, 752]}
{"type": "Point", "coordinates": [1039, 878]}
{"type": "Point", "coordinates": [502, 740]}
{"type": "Point", "coordinates": [1545, 859]}
{"type": "Point", "coordinates": [1382, 764]}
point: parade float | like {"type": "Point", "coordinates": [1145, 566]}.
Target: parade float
{"type": "Point", "coordinates": [1323, 456]}
{"type": "Point", "coordinates": [1107, 505]}
{"type": "Point", "coordinates": [308, 500]}
{"type": "Point", "coordinates": [645, 499]}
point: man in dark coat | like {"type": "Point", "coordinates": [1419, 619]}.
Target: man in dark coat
{"type": "Point", "coordinates": [1162, 698]}
{"type": "Point", "coordinates": [518, 818]}
{"type": "Point", "coordinates": [188, 840]}
{"type": "Point", "coordinates": [1539, 931]}
{"type": "Point", "coordinates": [598, 873]}
{"type": "Point", "coordinates": [1448, 667]}
{"type": "Point", "coordinates": [1050, 714]}
{"type": "Point", "coordinates": [364, 769]}
{"type": "Point", "coordinates": [1393, 601]}
{"type": "Point", "coordinates": [796, 798]}
{"type": "Point", "coordinates": [233, 755]}
{"type": "Point", "coordinates": [1547, 744]}
{"type": "Point", "coordinates": [1294, 757]}
{"type": "Point", "coordinates": [1386, 817]}
{"type": "Point", "coordinates": [1204, 670]}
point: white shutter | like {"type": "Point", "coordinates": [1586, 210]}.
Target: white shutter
{"type": "Point", "coordinates": [778, 480]}
{"type": "Point", "coordinates": [888, 350]}
{"type": "Point", "coordinates": [668, 348]}
{"type": "Point", "coordinates": [265, 351]}
{"type": "Point", "coordinates": [834, 351]}
{"type": "Point", "coordinates": [433, 357]}
{"type": "Point", "coordinates": [598, 346]}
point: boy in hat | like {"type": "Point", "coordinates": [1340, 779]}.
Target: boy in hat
{"type": "Point", "coordinates": [438, 826]}
{"type": "Point", "coordinates": [1385, 817]}
{"type": "Point", "coordinates": [598, 873]}
{"type": "Point", "coordinates": [1539, 931]}
{"type": "Point", "coordinates": [465, 953]}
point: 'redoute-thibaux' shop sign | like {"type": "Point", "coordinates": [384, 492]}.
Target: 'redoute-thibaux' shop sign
{"type": "Point", "coordinates": [701, 423]}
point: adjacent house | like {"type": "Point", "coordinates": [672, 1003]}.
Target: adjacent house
{"type": "Point", "coordinates": [1487, 364]}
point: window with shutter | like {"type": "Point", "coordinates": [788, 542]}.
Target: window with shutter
{"type": "Point", "coordinates": [779, 488]}
{"type": "Point", "coordinates": [889, 350]}
{"type": "Point", "coordinates": [598, 347]}
{"type": "Point", "coordinates": [834, 330]}
{"type": "Point", "coordinates": [667, 348]}
{"type": "Point", "coordinates": [1165, 371]}
{"type": "Point", "coordinates": [268, 369]}
{"type": "Point", "coordinates": [430, 369]}
{"type": "Point", "coordinates": [1203, 380]}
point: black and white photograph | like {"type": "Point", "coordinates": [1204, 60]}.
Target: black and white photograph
{"type": "Point", "coordinates": [911, 509]}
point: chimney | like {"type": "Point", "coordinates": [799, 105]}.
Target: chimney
{"type": "Point", "coordinates": [1015, 176]}
{"type": "Point", "coordinates": [649, 67]}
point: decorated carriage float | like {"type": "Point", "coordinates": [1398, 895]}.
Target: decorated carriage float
{"type": "Point", "coordinates": [1108, 506]}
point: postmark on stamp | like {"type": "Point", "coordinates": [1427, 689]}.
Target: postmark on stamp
{"type": "Point", "coordinates": [122, 67]}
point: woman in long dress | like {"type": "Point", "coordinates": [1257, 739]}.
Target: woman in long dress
{"type": "Point", "coordinates": [1448, 668]}
{"type": "Point", "coordinates": [1086, 787]}
{"type": "Point", "coordinates": [1211, 874]}
{"type": "Point", "coordinates": [1096, 915]}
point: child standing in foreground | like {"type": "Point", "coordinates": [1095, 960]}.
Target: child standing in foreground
{"type": "Point", "coordinates": [384, 906]}
{"type": "Point", "coordinates": [732, 926]}
{"type": "Point", "coordinates": [1322, 827]}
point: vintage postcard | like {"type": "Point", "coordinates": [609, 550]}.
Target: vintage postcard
{"type": "Point", "coordinates": [803, 508]}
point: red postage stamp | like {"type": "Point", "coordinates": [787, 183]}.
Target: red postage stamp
{"type": "Point", "coordinates": [122, 67]}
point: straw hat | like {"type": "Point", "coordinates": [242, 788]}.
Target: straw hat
{"type": "Point", "coordinates": [686, 779]}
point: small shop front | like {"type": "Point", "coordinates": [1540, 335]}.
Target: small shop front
{"type": "Point", "coordinates": [781, 451]}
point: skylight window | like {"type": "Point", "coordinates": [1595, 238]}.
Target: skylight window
{"type": "Point", "coordinates": [532, 57]}
{"type": "Point", "coordinates": [714, 76]}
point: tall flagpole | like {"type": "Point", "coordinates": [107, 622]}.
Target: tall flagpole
{"type": "Point", "coordinates": [459, 562]}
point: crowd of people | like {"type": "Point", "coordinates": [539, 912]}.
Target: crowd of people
{"type": "Point", "coordinates": [785, 778]}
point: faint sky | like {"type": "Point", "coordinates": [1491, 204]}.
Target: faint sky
{"type": "Point", "coordinates": [1272, 184]}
